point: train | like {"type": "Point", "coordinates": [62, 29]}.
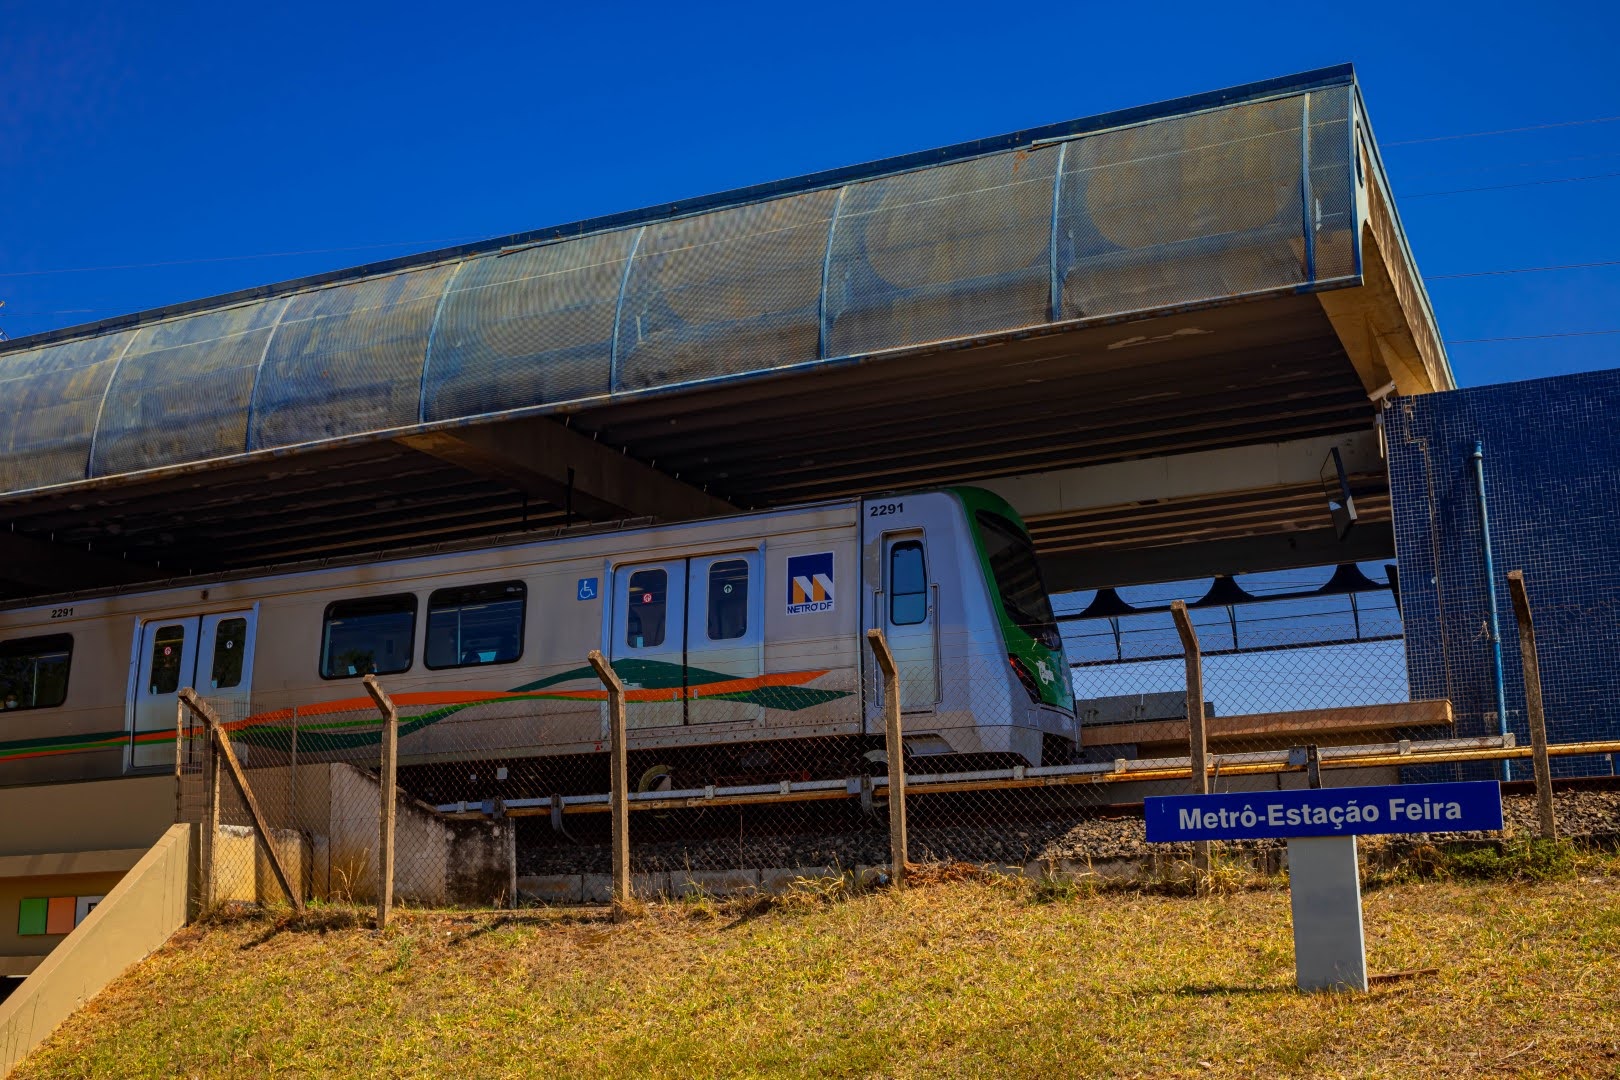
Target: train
{"type": "Point", "coordinates": [741, 641]}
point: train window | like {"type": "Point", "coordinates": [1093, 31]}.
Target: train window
{"type": "Point", "coordinates": [230, 642]}
{"type": "Point", "coordinates": [373, 636]}
{"type": "Point", "coordinates": [168, 652]}
{"type": "Point", "coordinates": [482, 624]}
{"type": "Point", "coordinates": [644, 627]}
{"type": "Point", "coordinates": [1018, 578]}
{"type": "Point", "coordinates": [908, 584]}
{"type": "Point", "coordinates": [728, 599]}
{"type": "Point", "coordinates": [34, 671]}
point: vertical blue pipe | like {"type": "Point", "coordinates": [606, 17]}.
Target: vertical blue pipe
{"type": "Point", "coordinates": [1490, 592]}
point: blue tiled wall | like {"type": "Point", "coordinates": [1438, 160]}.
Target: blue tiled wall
{"type": "Point", "coordinates": [1552, 479]}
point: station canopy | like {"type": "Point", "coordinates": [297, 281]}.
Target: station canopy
{"type": "Point", "coordinates": [1214, 272]}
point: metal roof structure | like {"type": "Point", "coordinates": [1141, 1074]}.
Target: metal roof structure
{"type": "Point", "coordinates": [1215, 271]}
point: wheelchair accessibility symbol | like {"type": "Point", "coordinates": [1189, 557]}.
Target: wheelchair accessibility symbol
{"type": "Point", "coordinates": [587, 588]}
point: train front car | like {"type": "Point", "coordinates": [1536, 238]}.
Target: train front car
{"type": "Point", "coordinates": [952, 580]}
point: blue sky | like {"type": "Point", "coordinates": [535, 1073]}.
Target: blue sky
{"type": "Point", "coordinates": [194, 134]}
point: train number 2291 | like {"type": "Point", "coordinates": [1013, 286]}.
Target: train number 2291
{"type": "Point", "coordinates": [61, 612]}
{"type": "Point", "coordinates": [885, 509]}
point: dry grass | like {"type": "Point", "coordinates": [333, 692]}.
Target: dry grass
{"type": "Point", "coordinates": [963, 977]}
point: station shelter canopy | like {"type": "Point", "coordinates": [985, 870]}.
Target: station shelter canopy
{"type": "Point", "coordinates": [1232, 196]}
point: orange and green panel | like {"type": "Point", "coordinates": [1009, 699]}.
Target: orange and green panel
{"type": "Point", "coordinates": [37, 915]}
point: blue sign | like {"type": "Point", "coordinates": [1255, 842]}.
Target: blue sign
{"type": "Point", "coordinates": [587, 588]}
{"type": "Point", "coordinates": [810, 583]}
{"type": "Point", "coordinates": [1347, 811]}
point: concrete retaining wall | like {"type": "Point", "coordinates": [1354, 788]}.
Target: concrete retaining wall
{"type": "Point", "coordinates": [325, 826]}
{"type": "Point", "coordinates": [137, 916]}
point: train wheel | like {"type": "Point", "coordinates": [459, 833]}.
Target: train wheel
{"type": "Point", "coordinates": [657, 778]}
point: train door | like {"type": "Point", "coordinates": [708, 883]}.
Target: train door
{"type": "Point", "coordinates": [211, 653]}
{"type": "Point", "coordinates": [647, 646]}
{"type": "Point", "coordinates": [908, 603]}
{"type": "Point", "coordinates": [725, 635]}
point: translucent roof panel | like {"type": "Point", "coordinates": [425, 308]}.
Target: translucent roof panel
{"type": "Point", "coordinates": [181, 392]}
{"type": "Point", "coordinates": [1207, 200]}
{"type": "Point", "coordinates": [1192, 208]}
{"type": "Point", "coordinates": [347, 360]}
{"type": "Point", "coordinates": [527, 328]}
{"type": "Point", "coordinates": [940, 253]}
{"type": "Point", "coordinates": [1332, 185]}
{"type": "Point", "coordinates": [49, 400]}
{"type": "Point", "coordinates": [725, 293]}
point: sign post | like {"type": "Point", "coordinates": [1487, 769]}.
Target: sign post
{"type": "Point", "coordinates": [1324, 894]}
{"type": "Point", "coordinates": [1321, 826]}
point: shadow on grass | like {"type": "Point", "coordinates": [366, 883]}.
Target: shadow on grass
{"type": "Point", "coordinates": [1215, 990]}
{"type": "Point", "coordinates": [334, 918]}
{"type": "Point", "coordinates": [540, 918]}
{"type": "Point", "coordinates": [321, 920]}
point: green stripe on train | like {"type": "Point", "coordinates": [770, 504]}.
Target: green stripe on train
{"type": "Point", "coordinates": [352, 734]}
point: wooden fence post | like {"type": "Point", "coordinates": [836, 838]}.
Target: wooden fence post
{"type": "Point", "coordinates": [179, 762]}
{"type": "Point", "coordinates": [387, 773]}
{"type": "Point", "coordinates": [222, 751]}
{"type": "Point", "coordinates": [619, 782]}
{"type": "Point", "coordinates": [1197, 739]}
{"type": "Point", "coordinates": [1532, 700]}
{"type": "Point", "coordinates": [208, 842]}
{"type": "Point", "coordinates": [895, 750]}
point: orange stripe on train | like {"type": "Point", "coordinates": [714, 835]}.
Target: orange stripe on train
{"type": "Point", "coordinates": [475, 697]}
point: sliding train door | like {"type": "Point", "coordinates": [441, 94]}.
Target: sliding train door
{"type": "Point", "coordinates": [647, 643]}
{"type": "Point", "coordinates": [688, 639]}
{"type": "Point", "coordinates": [725, 638]}
{"type": "Point", "coordinates": [212, 653]}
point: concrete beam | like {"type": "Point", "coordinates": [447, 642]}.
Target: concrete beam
{"type": "Point", "coordinates": [40, 564]}
{"type": "Point", "coordinates": [568, 470]}
{"type": "Point", "coordinates": [1367, 542]}
{"type": "Point", "coordinates": [1384, 325]}
{"type": "Point", "coordinates": [1183, 476]}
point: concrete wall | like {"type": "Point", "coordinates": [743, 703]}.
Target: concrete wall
{"type": "Point", "coordinates": [243, 872]}
{"type": "Point", "coordinates": [1552, 474]}
{"type": "Point", "coordinates": [71, 840]}
{"type": "Point", "coordinates": [138, 915]}
{"type": "Point", "coordinates": [129, 812]}
{"type": "Point", "coordinates": [325, 823]}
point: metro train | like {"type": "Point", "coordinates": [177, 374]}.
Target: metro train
{"type": "Point", "coordinates": [740, 639]}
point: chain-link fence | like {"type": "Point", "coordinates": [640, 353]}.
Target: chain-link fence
{"type": "Point", "coordinates": [315, 777]}
{"type": "Point", "coordinates": [751, 783]}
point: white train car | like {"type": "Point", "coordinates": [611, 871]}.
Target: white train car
{"type": "Point", "coordinates": [740, 638]}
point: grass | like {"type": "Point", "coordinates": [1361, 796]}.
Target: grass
{"type": "Point", "coordinates": [963, 976]}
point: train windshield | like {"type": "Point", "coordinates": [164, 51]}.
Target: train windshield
{"type": "Point", "coordinates": [1018, 578]}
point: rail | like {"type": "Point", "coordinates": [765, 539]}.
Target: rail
{"type": "Point", "coordinates": [1400, 754]}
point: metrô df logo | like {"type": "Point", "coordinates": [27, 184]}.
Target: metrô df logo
{"type": "Point", "coordinates": [810, 583]}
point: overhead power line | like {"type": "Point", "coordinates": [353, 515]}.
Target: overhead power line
{"type": "Point", "coordinates": [1504, 187]}
{"type": "Point", "coordinates": [1503, 131]}
{"type": "Point", "coordinates": [1511, 165]}
{"type": "Point", "coordinates": [1529, 337]}
{"type": "Point", "coordinates": [1521, 270]}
